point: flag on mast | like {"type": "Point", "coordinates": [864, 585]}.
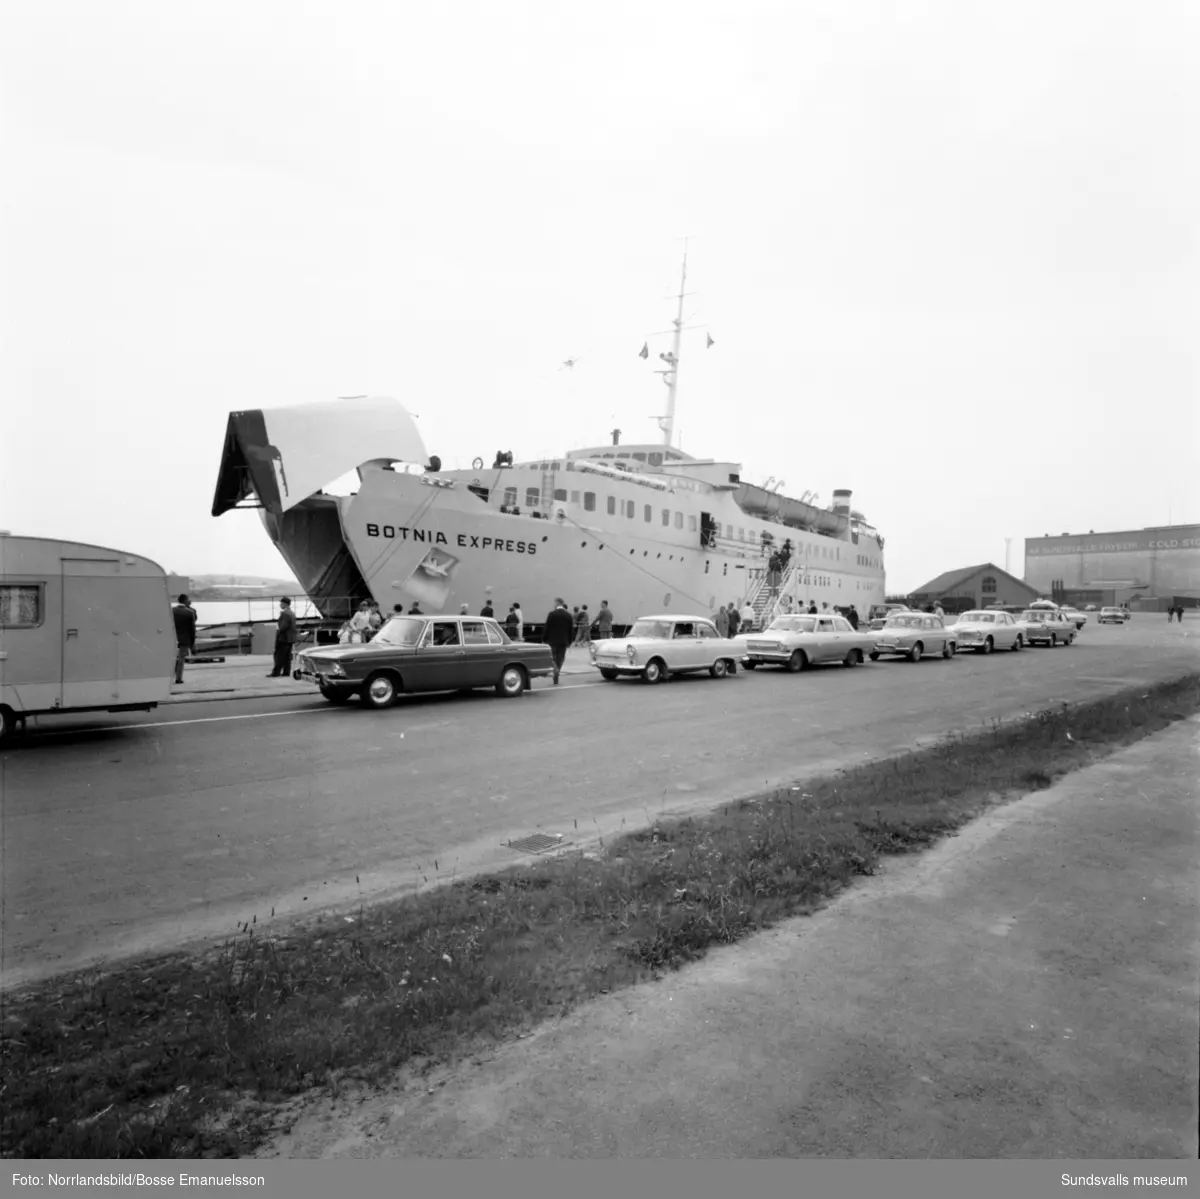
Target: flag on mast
{"type": "Point", "coordinates": [645, 351]}
{"type": "Point", "coordinates": [710, 342]}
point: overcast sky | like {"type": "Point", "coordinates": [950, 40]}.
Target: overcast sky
{"type": "Point", "coordinates": [947, 251]}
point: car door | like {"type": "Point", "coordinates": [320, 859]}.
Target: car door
{"type": "Point", "coordinates": [847, 638]}
{"type": "Point", "coordinates": [708, 638]}
{"type": "Point", "coordinates": [685, 646]}
{"type": "Point", "coordinates": [481, 659]}
{"type": "Point", "coordinates": [825, 647]}
{"type": "Point", "coordinates": [932, 634]}
{"type": "Point", "coordinates": [439, 663]}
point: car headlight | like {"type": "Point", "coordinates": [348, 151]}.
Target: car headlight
{"type": "Point", "coordinates": [592, 648]}
{"type": "Point", "coordinates": [630, 653]}
{"type": "Point", "coordinates": [336, 668]}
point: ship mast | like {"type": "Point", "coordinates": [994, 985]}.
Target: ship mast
{"type": "Point", "coordinates": [671, 374]}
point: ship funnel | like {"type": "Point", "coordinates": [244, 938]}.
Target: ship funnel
{"type": "Point", "coordinates": [841, 501]}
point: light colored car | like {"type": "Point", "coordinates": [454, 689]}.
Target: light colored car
{"type": "Point", "coordinates": [1080, 618]}
{"type": "Point", "coordinates": [1111, 616]}
{"type": "Point", "coordinates": [914, 635]}
{"type": "Point", "coordinates": [877, 616]}
{"type": "Point", "coordinates": [984, 631]}
{"type": "Point", "coordinates": [657, 647]}
{"type": "Point", "coordinates": [1048, 626]}
{"type": "Point", "coordinates": [797, 642]}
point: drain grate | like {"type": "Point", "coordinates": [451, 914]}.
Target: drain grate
{"type": "Point", "coordinates": [537, 842]}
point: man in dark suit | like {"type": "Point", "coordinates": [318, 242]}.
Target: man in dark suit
{"type": "Point", "coordinates": [185, 634]}
{"type": "Point", "coordinates": [285, 636]}
{"type": "Point", "coordinates": [560, 632]}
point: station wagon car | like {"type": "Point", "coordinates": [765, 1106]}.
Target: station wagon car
{"type": "Point", "coordinates": [659, 646]}
{"type": "Point", "coordinates": [425, 653]}
{"type": "Point", "coordinates": [797, 642]}
{"type": "Point", "coordinates": [984, 631]}
{"type": "Point", "coordinates": [1047, 626]}
{"type": "Point", "coordinates": [913, 635]}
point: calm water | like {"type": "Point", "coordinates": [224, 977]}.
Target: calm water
{"type": "Point", "coordinates": [210, 612]}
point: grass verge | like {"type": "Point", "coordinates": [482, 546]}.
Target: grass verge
{"type": "Point", "coordinates": [185, 1056]}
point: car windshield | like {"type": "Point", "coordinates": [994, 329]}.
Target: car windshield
{"type": "Point", "coordinates": [650, 628]}
{"type": "Point", "coordinates": [400, 630]}
{"type": "Point", "coordinates": [792, 624]}
{"type": "Point", "coordinates": [1041, 615]}
{"type": "Point", "coordinates": [977, 618]}
{"type": "Point", "coordinates": [903, 622]}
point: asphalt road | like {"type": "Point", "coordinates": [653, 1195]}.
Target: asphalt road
{"type": "Point", "coordinates": [140, 833]}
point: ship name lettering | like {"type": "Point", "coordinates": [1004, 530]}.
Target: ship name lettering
{"type": "Point", "coordinates": [430, 535]}
{"type": "Point", "coordinates": [465, 540]}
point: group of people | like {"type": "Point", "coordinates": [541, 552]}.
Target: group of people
{"type": "Point", "coordinates": [1176, 612]}
{"type": "Point", "coordinates": [565, 628]}
{"type": "Point", "coordinates": [730, 620]}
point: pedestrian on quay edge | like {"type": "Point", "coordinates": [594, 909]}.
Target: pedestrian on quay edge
{"type": "Point", "coordinates": [560, 630]}
{"type": "Point", "coordinates": [747, 618]}
{"type": "Point", "coordinates": [735, 620]}
{"type": "Point", "coordinates": [185, 634]}
{"type": "Point", "coordinates": [488, 610]}
{"type": "Point", "coordinates": [852, 617]}
{"type": "Point", "coordinates": [721, 620]}
{"type": "Point", "coordinates": [604, 621]}
{"type": "Point", "coordinates": [285, 636]}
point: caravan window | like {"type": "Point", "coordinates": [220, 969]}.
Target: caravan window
{"type": "Point", "coordinates": [21, 605]}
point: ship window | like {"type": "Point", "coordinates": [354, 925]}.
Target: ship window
{"type": "Point", "coordinates": [666, 516]}
{"type": "Point", "coordinates": [545, 465]}
{"type": "Point", "coordinates": [21, 606]}
{"type": "Point", "coordinates": [679, 520]}
{"type": "Point", "coordinates": [560, 493]}
{"type": "Point", "coordinates": [656, 459]}
{"type": "Point", "coordinates": [989, 584]}
{"type": "Point", "coordinates": [729, 532]}
{"type": "Point", "coordinates": [649, 513]}
{"type": "Point", "coordinates": [612, 506]}
{"type": "Point", "coordinates": [510, 496]}
{"type": "Point", "coordinates": [640, 457]}
{"type": "Point", "coordinates": [532, 497]}
{"type": "Point", "coordinates": [623, 454]}
{"type": "Point", "coordinates": [630, 509]}
{"type": "Point", "coordinates": [589, 501]}
{"type": "Point", "coordinates": [554, 466]}
{"type": "Point", "coordinates": [742, 534]}
{"type": "Point", "coordinates": [691, 524]}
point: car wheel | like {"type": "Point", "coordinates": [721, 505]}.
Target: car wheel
{"type": "Point", "coordinates": [335, 695]}
{"type": "Point", "coordinates": [853, 658]}
{"type": "Point", "coordinates": [8, 724]}
{"type": "Point", "coordinates": [749, 665]}
{"type": "Point", "coordinates": [719, 669]}
{"type": "Point", "coordinates": [1018, 645]}
{"type": "Point", "coordinates": [380, 690]}
{"type": "Point", "coordinates": [914, 654]}
{"type": "Point", "coordinates": [988, 646]}
{"type": "Point", "coordinates": [874, 656]}
{"type": "Point", "coordinates": [607, 673]}
{"type": "Point", "coordinates": [512, 682]}
{"type": "Point", "coordinates": [798, 661]}
{"type": "Point", "coordinates": [655, 672]}
{"type": "Point", "coordinates": [948, 649]}
{"type": "Point", "coordinates": [1069, 639]}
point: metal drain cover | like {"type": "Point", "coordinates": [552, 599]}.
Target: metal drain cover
{"type": "Point", "coordinates": [537, 842]}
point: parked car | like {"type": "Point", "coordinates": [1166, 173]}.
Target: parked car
{"type": "Point", "coordinates": [797, 642]}
{"type": "Point", "coordinates": [657, 647]}
{"type": "Point", "coordinates": [1048, 626]}
{"type": "Point", "coordinates": [984, 631]}
{"type": "Point", "coordinates": [425, 653]}
{"type": "Point", "coordinates": [912, 635]}
{"type": "Point", "coordinates": [877, 616]}
{"type": "Point", "coordinates": [1111, 616]}
{"type": "Point", "coordinates": [1080, 618]}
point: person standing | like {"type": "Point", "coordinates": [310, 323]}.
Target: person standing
{"type": "Point", "coordinates": [520, 621]}
{"type": "Point", "coordinates": [285, 636]}
{"type": "Point", "coordinates": [721, 620]}
{"type": "Point", "coordinates": [510, 622]}
{"type": "Point", "coordinates": [579, 619]}
{"type": "Point", "coordinates": [464, 609]}
{"type": "Point", "coordinates": [360, 623]}
{"type": "Point", "coordinates": [585, 626]}
{"type": "Point", "coordinates": [852, 617]}
{"type": "Point", "coordinates": [812, 608]}
{"type": "Point", "coordinates": [185, 634]}
{"type": "Point", "coordinates": [488, 610]}
{"type": "Point", "coordinates": [374, 620]}
{"type": "Point", "coordinates": [604, 621]}
{"type": "Point", "coordinates": [747, 617]}
{"type": "Point", "coordinates": [560, 629]}
{"type": "Point", "coordinates": [735, 619]}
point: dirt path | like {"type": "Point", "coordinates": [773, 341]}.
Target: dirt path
{"type": "Point", "coordinates": [1028, 989]}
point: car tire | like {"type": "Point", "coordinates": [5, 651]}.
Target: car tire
{"type": "Point", "coordinates": [654, 672]}
{"type": "Point", "coordinates": [874, 656]}
{"type": "Point", "coordinates": [948, 649]}
{"type": "Point", "coordinates": [335, 695]}
{"type": "Point", "coordinates": [797, 662]}
{"type": "Point", "coordinates": [607, 674]}
{"type": "Point", "coordinates": [1069, 639]}
{"type": "Point", "coordinates": [8, 723]}
{"type": "Point", "coordinates": [719, 669]}
{"type": "Point", "coordinates": [987, 646]}
{"type": "Point", "coordinates": [512, 683]}
{"type": "Point", "coordinates": [381, 690]}
{"type": "Point", "coordinates": [853, 658]}
{"type": "Point", "coordinates": [750, 665]}
{"type": "Point", "coordinates": [1018, 645]}
{"type": "Point", "coordinates": [914, 654]}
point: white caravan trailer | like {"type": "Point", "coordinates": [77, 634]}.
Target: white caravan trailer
{"type": "Point", "coordinates": [82, 629]}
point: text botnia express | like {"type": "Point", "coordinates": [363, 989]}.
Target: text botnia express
{"type": "Point", "coordinates": [462, 540]}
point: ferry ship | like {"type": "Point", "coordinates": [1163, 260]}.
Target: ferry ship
{"type": "Point", "coordinates": [646, 526]}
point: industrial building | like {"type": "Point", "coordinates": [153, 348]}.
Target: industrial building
{"type": "Point", "coordinates": [1151, 569]}
{"type": "Point", "coordinates": [974, 587]}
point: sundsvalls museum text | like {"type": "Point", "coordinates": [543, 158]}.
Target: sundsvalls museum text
{"type": "Point", "coordinates": [139, 1180]}
{"type": "Point", "coordinates": [464, 540]}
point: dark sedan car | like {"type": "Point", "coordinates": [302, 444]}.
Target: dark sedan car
{"type": "Point", "coordinates": [425, 653]}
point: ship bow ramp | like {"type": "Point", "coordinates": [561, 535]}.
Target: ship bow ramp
{"type": "Point", "coordinates": [279, 460]}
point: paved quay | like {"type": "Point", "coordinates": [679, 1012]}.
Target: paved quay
{"type": "Point", "coordinates": [1027, 989]}
{"type": "Point", "coordinates": [244, 676]}
{"type": "Point", "coordinates": [126, 833]}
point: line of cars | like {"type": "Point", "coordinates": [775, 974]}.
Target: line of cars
{"type": "Point", "coordinates": [447, 653]}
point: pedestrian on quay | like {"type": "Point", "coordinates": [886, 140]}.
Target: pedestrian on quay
{"type": "Point", "coordinates": [510, 622]}
{"type": "Point", "coordinates": [560, 628]}
{"type": "Point", "coordinates": [415, 610]}
{"type": "Point", "coordinates": [464, 609]}
{"type": "Point", "coordinates": [285, 636]}
{"type": "Point", "coordinates": [185, 634]}
{"type": "Point", "coordinates": [579, 619]}
{"type": "Point", "coordinates": [721, 620]}
{"type": "Point", "coordinates": [735, 620]}
{"type": "Point", "coordinates": [374, 620]}
{"type": "Point", "coordinates": [747, 617]}
{"type": "Point", "coordinates": [604, 621]}
{"type": "Point", "coordinates": [360, 623]}
{"type": "Point", "coordinates": [585, 626]}
{"type": "Point", "coordinates": [938, 610]}
{"type": "Point", "coordinates": [520, 621]}
{"type": "Point", "coordinates": [852, 617]}
{"type": "Point", "coordinates": [812, 608]}
{"type": "Point", "coordinates": [487, 610]}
